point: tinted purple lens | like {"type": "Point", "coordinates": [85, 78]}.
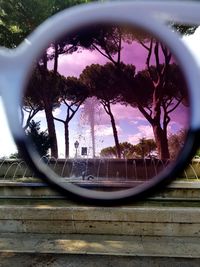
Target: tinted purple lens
{"type": "Point", "coordinates": [107, 107]}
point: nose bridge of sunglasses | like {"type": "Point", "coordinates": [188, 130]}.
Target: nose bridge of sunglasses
{"type": "Point", "coordinates": [12, 72]}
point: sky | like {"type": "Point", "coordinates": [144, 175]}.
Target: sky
{"type": "Point", "coordinates": [103, 131]}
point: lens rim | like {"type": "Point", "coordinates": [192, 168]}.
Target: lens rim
{"type": "Point", "coordinates": [148, 24]}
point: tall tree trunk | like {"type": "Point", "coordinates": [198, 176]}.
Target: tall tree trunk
{"type": "Point", "coordinates": [114, 132]}
{"type": "Point", "coordinates": [160, 134]}
{"type": "Point", "coordinates": [46, 96]}
{"type": "Point", "coordinates": [48, 110]}
{"type": "Point", "coordinates": [161, 142]}
{"type": "Point", "coordinates": [66, 125]}
{"type": "Point", "coordinates": [51, 131]}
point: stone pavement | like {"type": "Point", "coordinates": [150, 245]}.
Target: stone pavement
{"type": "Point", "coordinates": [97, 250]}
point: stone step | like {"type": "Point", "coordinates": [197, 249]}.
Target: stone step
{"type": "Point", "coordinates": [92, 260]}
{"type": "Point", "coordinates": [163, 230]}
{"type": "Point", "coordinates": [180, 189]}
{"type": "Point", "coordinates": [141, 246]}
{"type": "Point", "coordinates": [135, 220]}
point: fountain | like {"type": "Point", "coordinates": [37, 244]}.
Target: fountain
{"type": "Point", "coordinates": [9, 168]}
{"type": "Point", "coordinates": [98, 170]}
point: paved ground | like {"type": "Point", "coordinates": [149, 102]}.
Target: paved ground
{"type": "Point", "coordinates": [100, 245]}
{"type": "Point", "coordinates": [48, 260]}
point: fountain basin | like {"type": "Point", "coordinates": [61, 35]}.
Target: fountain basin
{"type": "Point", "coordinates": [177, 190]}
{"type": "Point", "coordinates": [117, 169]}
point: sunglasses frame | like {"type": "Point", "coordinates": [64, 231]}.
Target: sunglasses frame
{"type": "Point", "coordinates": [16, 66]}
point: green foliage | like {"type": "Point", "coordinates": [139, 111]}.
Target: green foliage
{"type": "Point", "coordinates": [140, 88]}
{"type": "Point", "coordinates": [128, 151]}
{"type": "Point", "coordinates": [44, 85]}
{"type": "Point", "coordinates": [184, 29]}
{"type": "Point", "coordinates": [198, 153]}
{"type": "Point", "coordinates": [102, 81]}
{"type": "Point", "coordinates": [19, 18]}
{"type": "Point", "coordinates": [108, 152]}
{"type": "Point", "coordinates": [40, 139]}
{"type": "Point", "coordinates": [74, 90]}
{"type": "Point", "coordinates": [144, 148]}
{"type": "Point", "coordinates": [176, 142]}
{"type": "Point", "coordinates": [15, 155]}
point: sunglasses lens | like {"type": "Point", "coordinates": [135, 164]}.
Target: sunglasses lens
{"type": "Point", "coordinates": [107, 107]}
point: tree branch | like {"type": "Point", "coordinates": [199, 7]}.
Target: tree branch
{"type": "Point", "coordinates": [119, 47]}
{"type": "Point", "coordinates": [156, 53]}
{"type": "Point", "coordinates": [103, 54]}
{"type": "Point", "coordinates": [149, 56]}
{"type": "Point", "coordinates": [145, 46]}
{"type": "Point", "coordinates": [146, 115]}
{"type": "Point", "coordinates": [177, 104]}
{"type": "Point", "coordinates": [57, 119]}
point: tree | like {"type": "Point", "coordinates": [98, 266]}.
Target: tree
{"type": "Point", "coordinates": [144, 148]}
{"type": "Point", "coordinates": [15, 155]}
{"type": "Point", "coordinates": [103, 83]}
{"type": "Point", "coordinates": [184, 29]}
{"type": "Point", "coordinates": [43, 93]}
{"type": "Point", "coordinates": [108, 152]}
{"type": "Point", "coordinates": [176, 142]}
{"type": "Point", "coordinates": [72, 94]}
{"type": "Point", "coordinates": [29, 108]}
{"type": "Point", "coordinates": [156, 91]}
{"type": "Point", "coordinates": [168, 91]}
{"type": "Point", "coordinates": [40, 139]}
{"type": "Point", "coordinates": [161, 80]}
{"type": "Point", "coordinates": [109, 42]}
{"type": "Point", "coordinates": [104, 38]}
{"type": "Point", "coordinates": [18, 19]}
{"type": "Point", "coordinates": [127, 151]}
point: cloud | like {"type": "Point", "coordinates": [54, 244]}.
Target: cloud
{"type": "Point", "coordinates": [73, 64]}
{"type": "Point", "coordinates": [134, 54]}
{"type": "Point", "coordinates": [144, 131]}
{"type": "Point", "coordinates": [104, 131]}
{"type": "Point", "coordinates": [126, 112]}
{"type": "Point", "coordinates": [180, 117]}
{"type": "Point", "coordinates": [120, 112]}
{"type": "Point", "coordinates": [103, 135]}
{"type": "Point", "coordinates": [57, 112]}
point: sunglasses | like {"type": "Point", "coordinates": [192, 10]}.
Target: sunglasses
{"type": "Point", "coordinates": [102, 99]}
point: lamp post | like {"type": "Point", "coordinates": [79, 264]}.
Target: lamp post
{"type": "Point", "coordinates": [76, 145]}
